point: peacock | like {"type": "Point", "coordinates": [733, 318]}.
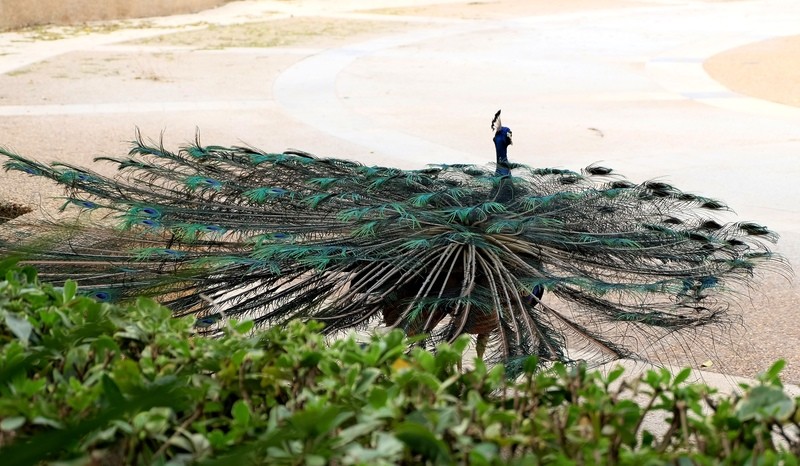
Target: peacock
{"type": "Point", "coordinates": [555, 263]}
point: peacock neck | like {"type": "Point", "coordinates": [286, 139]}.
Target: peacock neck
{"type": "Point", "coordinates": [502, 153]}
{"type": "Point", "coordinates": [501, 149]}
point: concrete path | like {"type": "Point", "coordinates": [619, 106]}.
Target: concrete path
{"type": "Point", "coordinates": [622, 85]}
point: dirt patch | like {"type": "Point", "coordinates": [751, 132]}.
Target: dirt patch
{"type": "Point", "coordinates": [15, 14]}
{"type": "Point", "coordinates": [767, 70]}
{"type": "Point", "coordinates": [277, 33]}
{"type": "Point", "coordinates": [11, 210]}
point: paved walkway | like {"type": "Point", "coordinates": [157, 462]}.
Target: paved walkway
{"type": "Point", "coordinates": [623, 85]}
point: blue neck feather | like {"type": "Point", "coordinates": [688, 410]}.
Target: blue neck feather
{"type": "Point", "coordinates": [501, 143]}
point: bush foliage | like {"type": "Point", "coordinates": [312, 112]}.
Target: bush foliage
{"type": "Point", "coordinates": [90, 383]}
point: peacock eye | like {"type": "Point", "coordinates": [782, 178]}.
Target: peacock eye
{"type": "Point", "coordinates": [100, 295]}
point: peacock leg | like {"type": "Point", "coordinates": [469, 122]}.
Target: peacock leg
{"type": "Point", "coordinates": [480, 344]}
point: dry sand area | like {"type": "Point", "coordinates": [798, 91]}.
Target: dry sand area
{"type": "Point", "coordinates": [410, 82]}
{"type": "Point", "coordinates": [768, 69]}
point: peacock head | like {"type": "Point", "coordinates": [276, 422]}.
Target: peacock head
{"type": "Point", "coordinates": [502, 135]}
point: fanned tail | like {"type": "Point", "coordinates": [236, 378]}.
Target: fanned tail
{"type": "Point", "coordinates": [235, 231]}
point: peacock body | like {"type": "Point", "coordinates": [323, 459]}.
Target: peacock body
{"type": "Point", "coordinates": [534, 261]}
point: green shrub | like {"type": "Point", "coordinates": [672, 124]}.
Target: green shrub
{"type": "Point", "coordinates": [92, 383]}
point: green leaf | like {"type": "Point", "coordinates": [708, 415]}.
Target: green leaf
{"type": "Point", "coordinates": [483, 453]}
{"type": "Point", "coordinates": [530, 365]}
{"type": "Point", "coordinates": [244, 327]}
{"type": "Point", "coordinates": [315, 460]}
{"type": "Point", "coordinates": [681, 376]}
{"type": "Point", "coordinates": [316, 421]}
{"type": "Point", "coordinates": [43, 421]}
{"type": "Point", "coordinates": [241, 413]}
{"type": "Point", "coordinates": [378, 397]}
{"type": "Point", "coordinates": [764, 403]}
{"type": "Point", "coordinates": [357, 432]}
{"type": "Point", "coordinates": [388, 450]}
{"type": "Point", "coordinates": [70, 290]}
{"type": "Point", "coordinates": [614, 374]}
{"type": "Point", "coordinates": [111, 390]}
{"type": "Point", "coordinates": [772, 374]}
{"type": "Point", "coordinates": [19, 326]}
{"type": "Point", "coordinates": [12, 423]}
{"type": "Point", "coordinates": [422, 441]}
{"type": "Point", "coordinates": [8, 264]}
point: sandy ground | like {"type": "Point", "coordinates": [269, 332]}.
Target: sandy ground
{"type": "Point", "coordinates": [502, 8]}
{"type": "Point", "coordinates": [406, 83]}
{"type": "Point", "coordinates": [768, 70]}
